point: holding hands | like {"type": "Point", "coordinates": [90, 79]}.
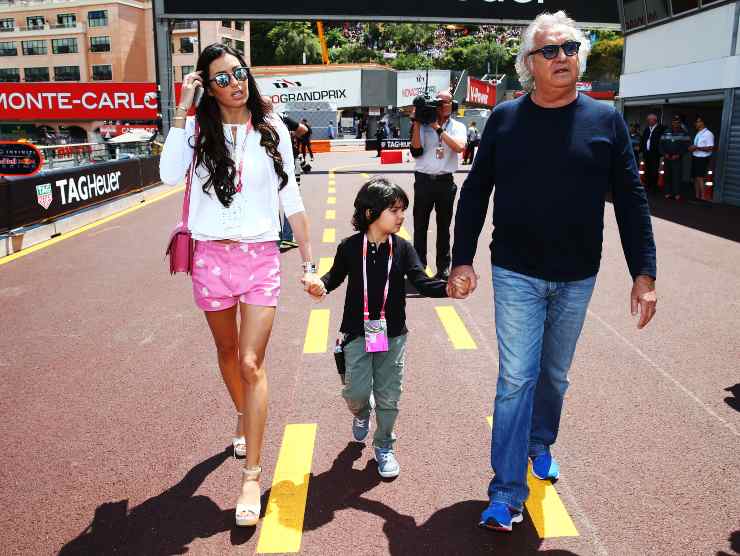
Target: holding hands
{"type": "Point", "coordinates": [313, 285]}
{"type": "Point", "coordinates": [462, 282]}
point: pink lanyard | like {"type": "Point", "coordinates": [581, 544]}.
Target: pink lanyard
{"type": "Point", "coordinates": [364, 277]}
{"type": "Point", "coordinates": [240, 171]}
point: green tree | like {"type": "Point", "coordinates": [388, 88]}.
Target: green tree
{"type": "Point", "coordinates": [353, 53]}
{"type": "Point", "coordinates": [335, 38]}
{"type": "Point", "coordinates": [262, 51]}
{"type": "Point", "coordinates": [412, 61]}
{"type": "Point", "coordinates": [291, 39]}
{"type": "Point", "coordinates": [605, 61]}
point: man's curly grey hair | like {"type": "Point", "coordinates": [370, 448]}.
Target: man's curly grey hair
{"type": "Point", "coordinates": [544, 22]}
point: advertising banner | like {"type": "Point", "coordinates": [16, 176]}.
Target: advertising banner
{"type": "Point", "coordinates": [77, 101]}
{"type": "Point", "coordinates": [51, 194]}
{"type": "Point", "coordinates": [110, 131]}
{"type": "Point", "coordinates": [340, 89]}
{"type": "Point", "coordinates": [413, 83]}
{"type": "Point", "coordinates": [584, 11]}
{"type": "Point", "coordinates": [481, 92]}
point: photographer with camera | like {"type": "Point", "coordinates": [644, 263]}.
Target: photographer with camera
{"type": "Point", "coordinates": [436, 140]}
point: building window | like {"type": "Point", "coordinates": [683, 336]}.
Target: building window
{"type": "Point", "coordinates": [66, 20]}
{"type": "Point", "coordinates": [64, 46]}
{"type": "Point", "coordinates": [97, 18]}
{"type": "Point", "coordinates": [66, 73]}
{"type": "Point", "coordinates": [656, 10]}
{"type": "Point", "coordinates": [239, 25]}
{"type": "Point", "coordinates": [36, 74]}
{"type": "Point", "coordinates": [680, 6]}
{"type": "Point", "coordinates": [186, 45]}
{"type": "Point", "coordinates": [240, 47]}
{"type": "Point", "coordinates": [99, 44]}
{"type": "Point", "coordinates": [227, 41]}
{"type": "Point", "coordinates": [226, 23]}
{"type": "Point", "coordinates": [8, 49]}
{"type": "Point", "coordinates": [32, 48]}
{"type": "Point", "coordinates": [7, 25]}
{"type": "Point", "coordinates": [35, 22]}
{"type": "Point", "coordinates": [186, 70]}
{"type": "Point", "coordinates": [102, 73]}
{"type": "Point", "coordinates": [10, 75]}
{"type": "Point", "coordinates": [634, 14]}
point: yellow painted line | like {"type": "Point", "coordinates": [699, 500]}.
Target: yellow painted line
{"type": "Point", "coordinates": [330, 235]}
{"type": "Point", "coordinates": [325, 265]}
{"type": "Point", "coordinates": [86, 227]}
{"type": "Point", "coordinates": [331, 201]}
{"type": "Point", "coordinates": [366, 176]}
{"type": "Point", "coordinates": [331, 214]}
{"type": "Point", "coordinates": [403, 233]}
{"type": "Point", "coordinates": [332, 190]}
{"type": "Point", "coordinates": [317, 331]}
{"type": "Point", "coordinates": [456, 331]}
{"type": "Point", "coordinates": [282, 528]}
{"type": "Point", "coordinates": [429, 272]}
{"type": "Point", "coordinates": [332, 181]}
{"type": "Point", "coordinates": [545, 508]}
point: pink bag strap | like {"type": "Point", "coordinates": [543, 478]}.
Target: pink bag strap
{"type": "Point", "coordinates": [189, 180]}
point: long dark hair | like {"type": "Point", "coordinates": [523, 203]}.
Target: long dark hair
{"type": "Point", "coordinates": [211, 150]}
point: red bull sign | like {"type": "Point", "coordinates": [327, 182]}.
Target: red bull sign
{"type": "Point", "coordinates": [19, 159]}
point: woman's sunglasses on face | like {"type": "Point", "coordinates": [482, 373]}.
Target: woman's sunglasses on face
{"type": "Point", "coordinates": [222, 79]}
{"type": "Point", "coordinates": [550, 51]}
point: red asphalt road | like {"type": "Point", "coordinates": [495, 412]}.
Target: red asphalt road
{"type": "Point", "coordinates": [115, 420]}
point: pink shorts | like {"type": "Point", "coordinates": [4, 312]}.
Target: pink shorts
{"type": "Point", "coordinates": [227, 273]}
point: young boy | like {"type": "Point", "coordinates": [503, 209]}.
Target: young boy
{"type": "Point", "coordinates": [376, 263]}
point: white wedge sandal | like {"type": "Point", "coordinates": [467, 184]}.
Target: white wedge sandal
{"type": "Point", "coordinates": [239, 442]}
{"type": "Point", "coordinates": [247, 515]}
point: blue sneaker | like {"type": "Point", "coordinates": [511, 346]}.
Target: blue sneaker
{"type": "Point", "coordinates": [499, 517]}
{"type": "Point", "coordinates": [360, 428]}
{"type": "Point", "coordinates": [387, 463]}
{"type": "Point", "coordinates": [545, 468]}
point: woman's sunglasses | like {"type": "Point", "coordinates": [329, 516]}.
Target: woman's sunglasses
{"type": "Point", "coordinates": [223, 78]}
{"type": "Point", "coordinates": [550, 51]}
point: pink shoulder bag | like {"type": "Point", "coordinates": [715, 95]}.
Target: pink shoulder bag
{"type": "Point", "coordinates": [181, 246]}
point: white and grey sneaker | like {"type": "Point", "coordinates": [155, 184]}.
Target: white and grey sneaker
{"type": "Point", "coordinates": [387, 463]}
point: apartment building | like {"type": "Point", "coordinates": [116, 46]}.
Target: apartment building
{"type": "Point", "coordinates": [80, 41]}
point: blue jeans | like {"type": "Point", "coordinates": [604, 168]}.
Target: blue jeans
{"type": "Point", "coordinates": [537, 326]}
{"type": "Point", "coordinates": [286, 233]}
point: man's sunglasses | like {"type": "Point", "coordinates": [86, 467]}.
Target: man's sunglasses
{"type": "Point", "coordinates": [550, 51]}
{"type": "Point", "coordinates": [223, 78]}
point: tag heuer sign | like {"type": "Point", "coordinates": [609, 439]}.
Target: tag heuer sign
{"type": "Point", "coordinates": [19, 159]}
{"type": "Point", "coordinates": [44, 195]}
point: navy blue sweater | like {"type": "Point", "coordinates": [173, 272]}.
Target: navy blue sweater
{"type": "Point", "coordinates": [552, 169]}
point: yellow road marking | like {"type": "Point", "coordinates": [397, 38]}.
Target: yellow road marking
{"type": "Point", "coordinates": [404, 234]}
{"type": "Point", "coordinates": [332, 190]}
{"type": "Point", "coordinates": [330, 235]}
{"type": "Point", "coordinates": [331, 214]}
{"type": "Point", "coordinates": [545, 508]}
{"type": "Point", "coordinates": [86, 227]}
{"type": "Point", "coordinates": [325, 265]}
{"type": "Point", "coordinates": [456, 331]}
{"type": "Point", "coordinates": [317, 331]}
{"type": "Point", "coordinates": [282, 528]}
{"type": "Point", "coordinates": [366, 176]}
{"type": "Point", "coordinates": [428, 270]}
{"type": "Point", "coordinates": [331, 201]}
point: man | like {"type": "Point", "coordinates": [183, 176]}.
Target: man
{"type": "Point", "coordinates": [305, 140]}
{"type": "Point", "coordinates": [435, 148]}
{"type": "Point", "coordinates": [650, 147]}
{"type": "Point", "coordinates": [379, 136]}
{"type": "Point", "coordinates": [674, 144]}
{"type": "Point", "coordinates": [701, 150]}
{"type": "Point", "coordinates": [330, 130]}
{"type": "Point", "coordinates": [473, 142]}
{"type": "Point", "coordinates": [552, 154]}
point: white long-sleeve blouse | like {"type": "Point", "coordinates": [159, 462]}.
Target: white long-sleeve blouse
{"type": "Point", "coordinates": [253, 215]}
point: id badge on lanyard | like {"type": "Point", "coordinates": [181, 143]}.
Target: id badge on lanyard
{"type": "Point", "coordinates": [376, 331]}
{"type": "Point", "coordinates": [232, 217]}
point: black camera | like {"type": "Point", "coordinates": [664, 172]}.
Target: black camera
{"type": "Point", "coordinates": [425, 109]}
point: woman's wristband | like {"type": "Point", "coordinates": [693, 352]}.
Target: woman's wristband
{"type": "Point", "coordinates": [309, 267]}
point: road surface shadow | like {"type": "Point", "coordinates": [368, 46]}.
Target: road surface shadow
{"type": "Point", "coordinates": [164, 524]}
{"type": "Point", "coordinates": [449, 531]}
{"type": "Point", "coordinates": [734, 540]}
{"type": "Point", "coordinates": [733, 402]}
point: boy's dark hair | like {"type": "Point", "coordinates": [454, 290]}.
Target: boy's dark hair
{"type": "Point", "coordinates": [376, 195]}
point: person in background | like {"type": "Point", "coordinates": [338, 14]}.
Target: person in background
{"type": "Point", "coordinates": [701, 151]}
{"type": "Point", "coordinates": [331, 131]}
{"type": "Point", "coordinates": [305, 140]}
{"type": "Point", "coordinates": [674, 144]}
{"type": "Point", "coordinates": [379, 136]}
{"type": "Point", "coordinates": [635, 139]}
{"type": "Point", "coordinates": [473, 142]}
{"type": "Point", "coordinates": [650, 148]}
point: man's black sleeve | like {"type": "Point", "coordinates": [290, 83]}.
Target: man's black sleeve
{"type": "Point", "coordinates": [474, 196]}
{"type": "Point", "coordinates": [290, 123]}
{"type": "Point", "coordinates": [631, 205]}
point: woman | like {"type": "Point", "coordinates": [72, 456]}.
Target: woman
{"type": "Point", "coordinates": [243, 172]}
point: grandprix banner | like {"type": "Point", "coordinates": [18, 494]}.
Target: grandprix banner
{"type": "Point", "coordinates": [77, 101]}
{"type": "Point", "coordinates": [340, 89]}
